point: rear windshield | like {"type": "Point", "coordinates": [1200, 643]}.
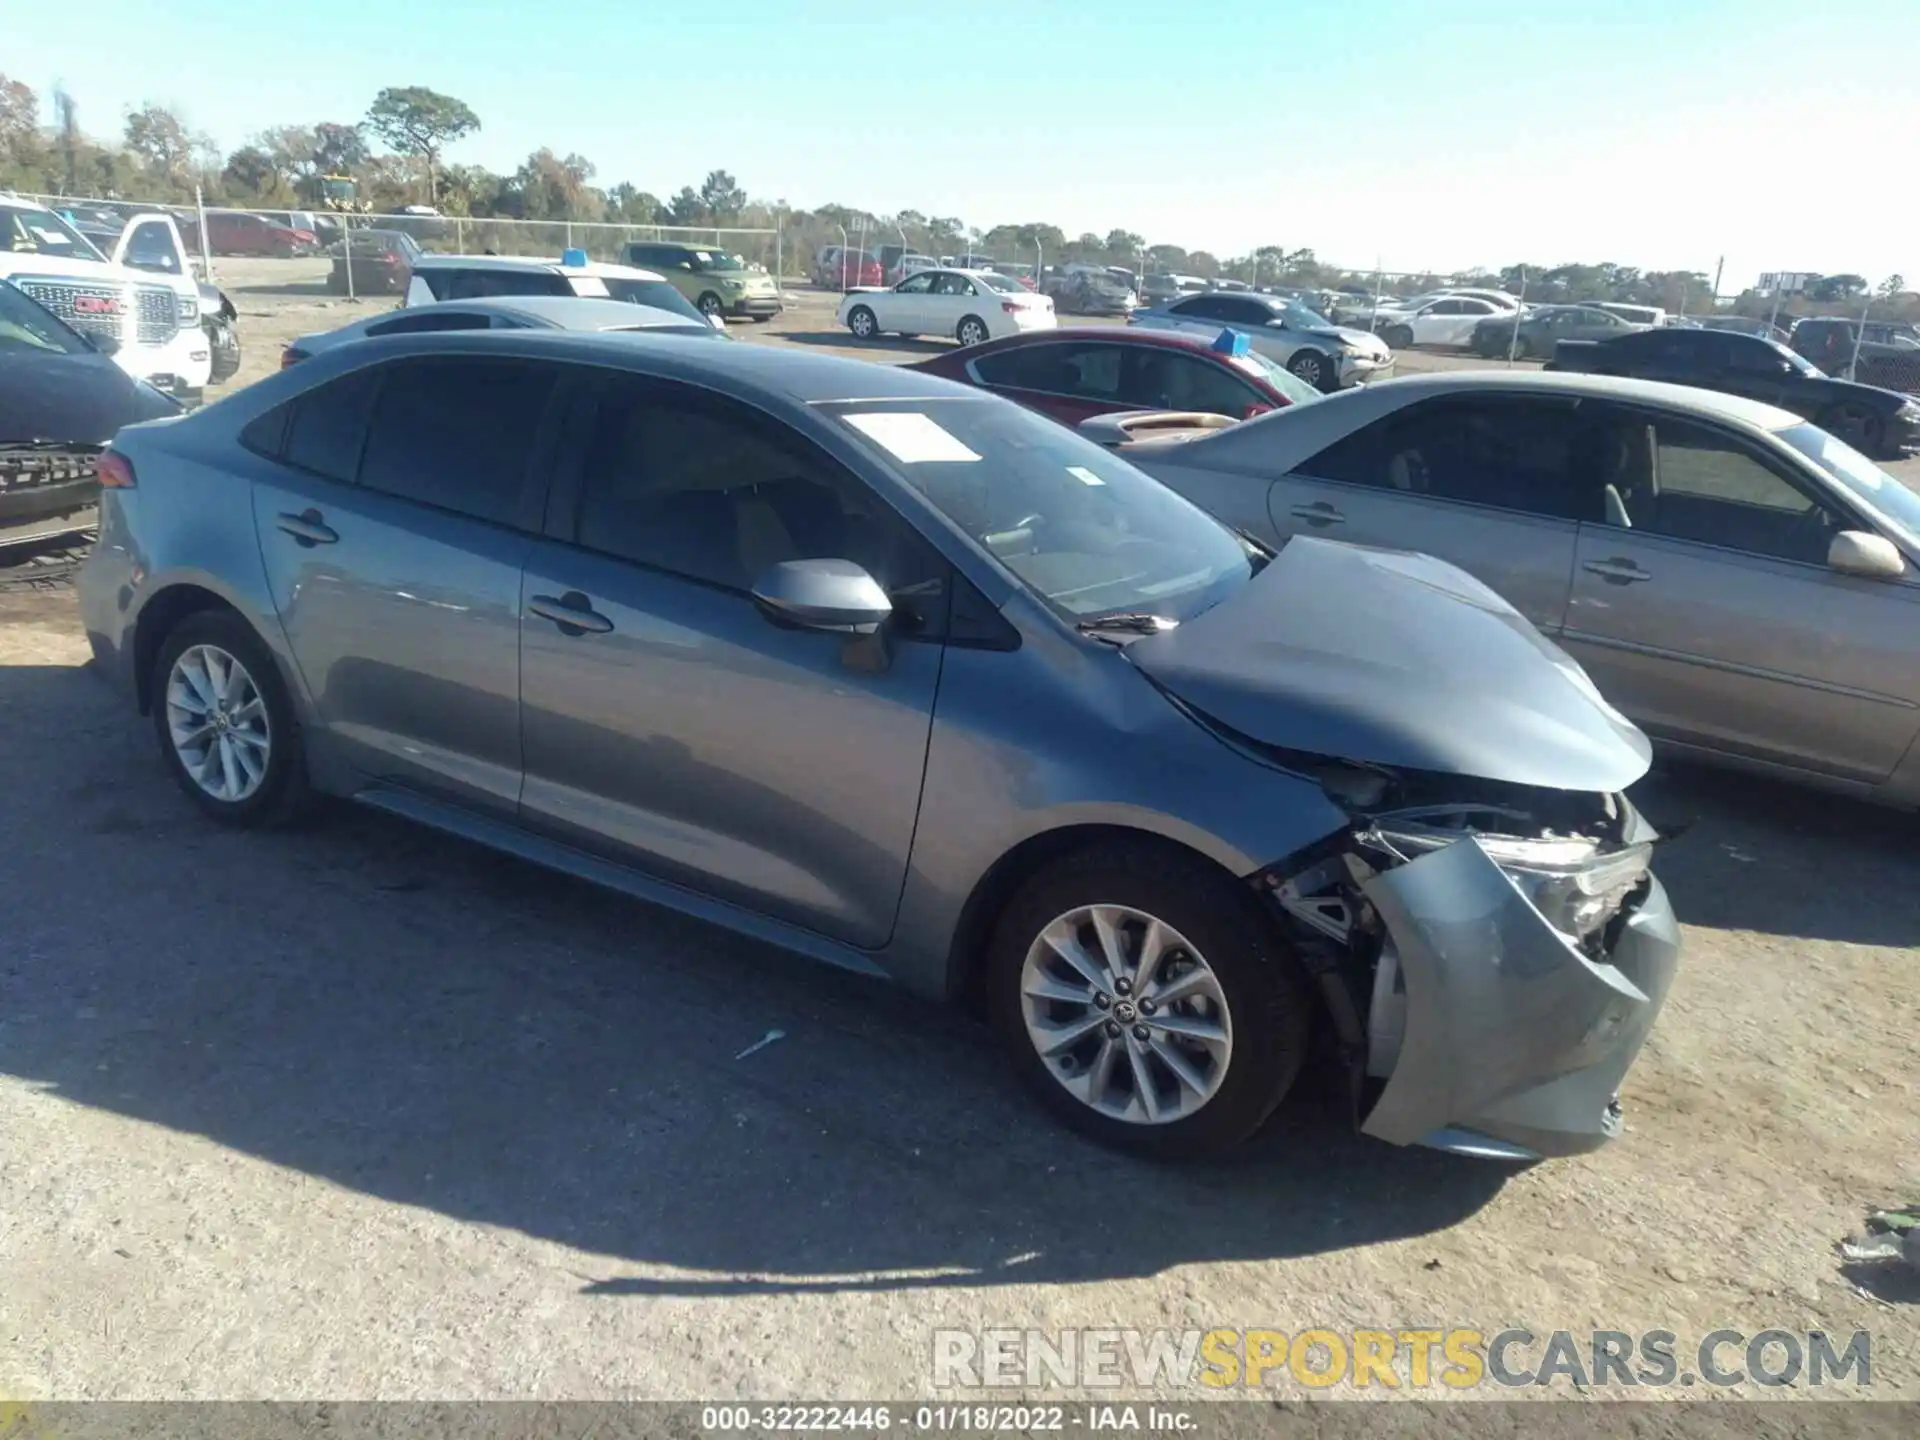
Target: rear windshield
{"type": "Point", "coordinates": [657, 293]}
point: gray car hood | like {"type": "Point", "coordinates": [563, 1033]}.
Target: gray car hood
{"type": "Point", "coordinates": [1397, 659]}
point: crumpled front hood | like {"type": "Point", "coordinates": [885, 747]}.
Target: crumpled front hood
{"type": "Point", "coordinates": [1397, 659]}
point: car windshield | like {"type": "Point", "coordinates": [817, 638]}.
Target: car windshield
{"type": "Point", "coordinates": [718, 260]}
{"type": "Point", "coordinates": [26, 326]}
{"type": "Point", "coordinates": [1859, 477]}
{"type": "Point", "coordinates": [1076, 524]}
{"type": "Point", "coordinates": [657, 293]}
{"type": "Point", "coordinates": [40, 232]}
{"type": "Point", "coordinates": [1299, 316]}
{"type": "Point", "coordinates": [1297, 391]}
{"type": "Point", "coordinates": [1003, 283]}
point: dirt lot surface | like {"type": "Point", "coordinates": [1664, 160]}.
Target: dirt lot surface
{"type": "Point", "coordinates": [356, 1111]}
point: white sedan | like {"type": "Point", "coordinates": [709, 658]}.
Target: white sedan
{"type": "Point", "coordinates": [970, 305]}
{"type": "Point", "coordinates": [1447, 320]}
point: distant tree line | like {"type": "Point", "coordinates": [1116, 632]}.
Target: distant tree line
{"type": "Point", "coordinates": [395, 154]}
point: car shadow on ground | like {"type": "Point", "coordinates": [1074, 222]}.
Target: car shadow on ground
{"type": "Point", "coordinates": [879, 345]}
{"type": "Point", "coordinates": [439, 1026]}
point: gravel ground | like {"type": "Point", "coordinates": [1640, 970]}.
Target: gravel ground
{"type": "Point", "coordinates": [356, 1111]}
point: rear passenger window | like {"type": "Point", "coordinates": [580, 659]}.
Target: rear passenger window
{"type": "Point", "coordinates": [420, 321]}
{"type": "Point", "coordinates": [457, 432]}
{"type": "Point", "coordinates": [329, 426]}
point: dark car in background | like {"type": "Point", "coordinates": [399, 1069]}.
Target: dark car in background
{"type": "Point", "coordinates": [382, 262]}
{"type": "Point", "coordinates": [1073, 375]}
{"type": "Point", "coordinates": [1883, 423]}
{"type": "Point", "coordinates": [61, 400]}
{"type": "Point", "coordinates": [1540, 329]}
{"type": "Point", "coordinates": [1882, 355]}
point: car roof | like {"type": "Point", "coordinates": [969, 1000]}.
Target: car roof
{"type": "Point", "coordinates": [1713, 403]}
{"type": "Point", "coordinates": [532, 262]}
{"type": "Point", "coordinates": [570, 312]}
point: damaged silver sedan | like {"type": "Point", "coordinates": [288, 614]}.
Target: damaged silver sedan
{"type": "Point", "coordinates": [921, 684]}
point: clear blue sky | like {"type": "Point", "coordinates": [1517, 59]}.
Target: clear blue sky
{"type": "Point", "coordinates": [1416, 133]}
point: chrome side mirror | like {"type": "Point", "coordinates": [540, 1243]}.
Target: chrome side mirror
{"type": "Point", "coordinates": [1860, 552]}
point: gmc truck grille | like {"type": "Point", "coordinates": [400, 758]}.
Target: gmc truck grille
{"type": "Point", "coordinates": [97, 308]}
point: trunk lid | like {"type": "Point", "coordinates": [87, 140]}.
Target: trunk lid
{"type": "Point", "coordinates": [1398, 659]}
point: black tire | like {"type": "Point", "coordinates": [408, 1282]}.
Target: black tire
{"type": "Point", "coordinates": [761, 319]}
{"type": "Point", "coordinates": [1317, 369]}
{"type": "Point", "coordinates": [711, 305]}
{"type": "Point", "coordinates": [1266, 992]}
{"type": "Point", "coordinates": [1398, 337]}
{"type": "Point", "coordinates": [224, 341]}
{"type": "Point", "coordinates": [283, 794]}
{"type": "Point", "coordinates": [1523, 348]}
{"type": "Point", "coordinates": [861, 321]}
{"type": "Point", "coordinates": [972, 330]}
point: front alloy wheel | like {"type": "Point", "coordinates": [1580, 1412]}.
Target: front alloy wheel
{"type": "Point", "coordinates": [1310, 366]}
{"type": "Point", "coordinates": [1127, 1013]}
{"type": "Point", "coordinates": [1147, 999]}
{"type": "Point", "coordinates": [861, 323]}
{"type": "Point", "coordinates": [218, 725]}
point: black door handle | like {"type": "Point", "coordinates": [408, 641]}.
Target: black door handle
{"type": "Point", "coordinates": [1318, 513]}
{"type": "Point", "coordinates": [1617, 571]}
{"type": "Point", "coordinates": [572, 612]}
{"type": "Point", "coordinates": [308, 528]}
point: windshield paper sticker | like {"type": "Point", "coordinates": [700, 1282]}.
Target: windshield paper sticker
{"type": "Point", "coordinates": [911, 438]}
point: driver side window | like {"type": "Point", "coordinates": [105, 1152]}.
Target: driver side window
{"type": "Point", "coordinates": [919, 284]}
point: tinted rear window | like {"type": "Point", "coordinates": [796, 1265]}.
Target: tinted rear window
{"type": "Point", "coordinates": [329, 426]}
{"type": "Point", "coordinates": [457, 432]}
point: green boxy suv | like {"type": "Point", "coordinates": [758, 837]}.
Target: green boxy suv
{"type": "Point", "coordinates": [719, 282]}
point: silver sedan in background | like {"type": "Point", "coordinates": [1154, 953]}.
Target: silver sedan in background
{"type": "Point", "coordinates": [907, 678]}
{"type": "Point", "coordinates": [1741, 583]}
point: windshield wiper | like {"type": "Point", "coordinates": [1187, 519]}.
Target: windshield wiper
{"type": "Point", "coordinates": [1125, 622]}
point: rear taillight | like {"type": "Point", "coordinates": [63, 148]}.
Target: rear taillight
{"type": "Point", "coordinates": [290, 357]}
{"type": "Point", "coordinates": [1010, 307]}
{"type": "Point", "coordinates": [115, 471]}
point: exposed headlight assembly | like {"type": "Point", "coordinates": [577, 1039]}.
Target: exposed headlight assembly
{"type": "Point", "coordinates": [1577, 885]}
{"type": "Point", "coordinates": [187, 309]}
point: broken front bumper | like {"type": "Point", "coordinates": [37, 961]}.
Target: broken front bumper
{"type": "Point", "coordinates": [1514, 1041]}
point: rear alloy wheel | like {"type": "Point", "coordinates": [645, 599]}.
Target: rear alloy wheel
{"type": "Point", "coordinates": [225, 722]}
{"type": "Point", "coordinates": [972, 331]}
{"type": "Point", "coordinates": [1146, 1001]}
{"type": "Point", "coordinates": [861, 322]}
{"type": "Point", "coordinates": [1315, 369]}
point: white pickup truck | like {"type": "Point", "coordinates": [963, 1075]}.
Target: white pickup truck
{"type": "Point", "coordinates": [148, 320]}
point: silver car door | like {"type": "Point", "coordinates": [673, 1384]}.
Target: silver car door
{"type": "Point", "coordinates": [1493, 484]}
{"type": "Point", "coordinates": [1706, 611]}
{"type": "Point", "coordinates": [674, 727]}
{"type": "Point", "coordinates": [394, 549]}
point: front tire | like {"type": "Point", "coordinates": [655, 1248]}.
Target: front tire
{"type": "Point", "coordinates": [226, 724]}
{"type": "Point", "coordinates": [971, 331]}
{"type": "Point", "coordinates": [1859, 427]}
{"type": "Point", "coordinates": [711, 305]}
{"type": "Point", "coordinates": [224, 342]}
{"type": "Point", "coordinates": [861, 322]}
{"type": "Point", "coordinates": [1147, 1001]}
{"type": "Point", "coordinates": [1316, 370]}
{"type": "Point", "coordinates": [1398, 337]}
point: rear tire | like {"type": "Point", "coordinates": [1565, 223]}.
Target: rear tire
{"type": "Point", "coordinates": [226, 724]}
{"type": "Point", "coordinates": [971, 331]}
{"type": "Point", "coordinates": [1222, 961]}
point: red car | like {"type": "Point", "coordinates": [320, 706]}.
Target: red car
{"type": "Point", "coordinates": [231, 232]}
{"type": "Point", "coordinates": [846, 269]}
{"type": "Point", "coordinates": [1072, 374]}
